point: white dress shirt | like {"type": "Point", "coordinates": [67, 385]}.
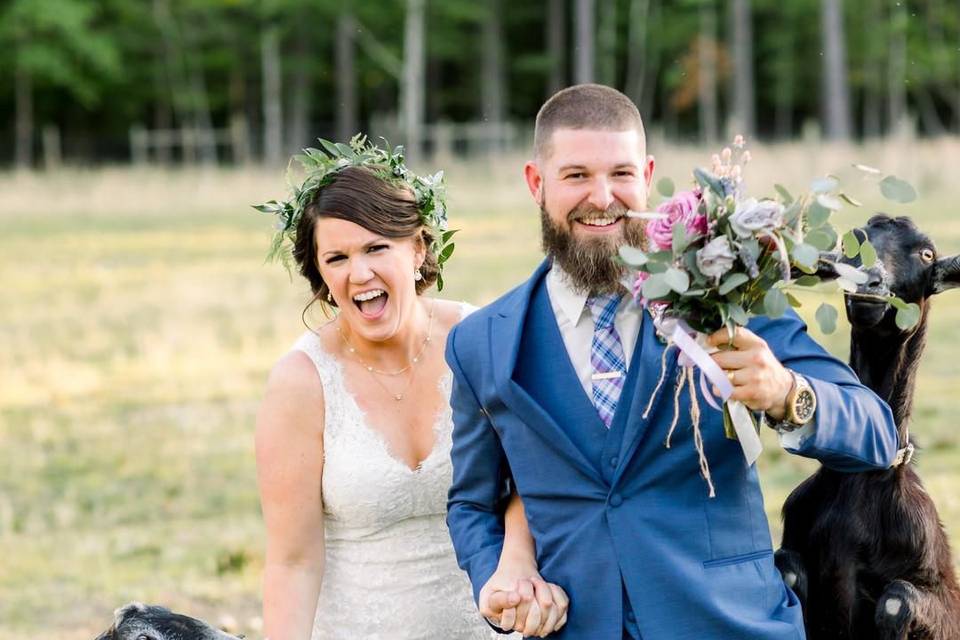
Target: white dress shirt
{"type": "Point", "coordinates": [576, 324]}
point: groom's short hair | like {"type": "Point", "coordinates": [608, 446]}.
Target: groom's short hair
{"type": "Point", "coordinates": [584, 106]}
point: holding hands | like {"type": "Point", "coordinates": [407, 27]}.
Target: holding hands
{"type": "Point", "coordinates": [516, 598]}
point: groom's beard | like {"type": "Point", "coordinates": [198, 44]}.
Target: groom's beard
{"type": "Point", "coordinates": [589, 260]}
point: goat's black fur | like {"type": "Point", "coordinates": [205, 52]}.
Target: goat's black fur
{"type": "Point", "coordinates": [866, 553]}
{"type": "Point", "coordinates": [137, 621]}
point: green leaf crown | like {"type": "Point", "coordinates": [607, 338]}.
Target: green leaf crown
{"type": "Point", "coordinates": [322, 165]}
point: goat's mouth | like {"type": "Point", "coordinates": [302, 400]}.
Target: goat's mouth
{"type": "Point", "coordinates": [866, 310]}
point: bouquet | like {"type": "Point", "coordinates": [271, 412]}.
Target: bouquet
{"type": "Point", "coordinates": [715, 257]}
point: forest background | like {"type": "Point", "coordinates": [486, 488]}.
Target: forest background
{"type": "Point", "coordinates": [138, 321]}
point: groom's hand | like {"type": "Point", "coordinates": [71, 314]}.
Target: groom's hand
{"type": "Point", "coordinates": [531, 605]}
{"type": "Point", "coordinates": [759, 380]}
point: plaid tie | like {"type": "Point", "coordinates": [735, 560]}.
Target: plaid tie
{"type": "Point", "coordinates": [606, 356]}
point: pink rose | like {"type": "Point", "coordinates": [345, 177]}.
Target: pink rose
{"type": "Point", "coordinates": [683, 207]}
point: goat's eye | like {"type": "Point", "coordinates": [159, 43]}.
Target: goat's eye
{"type": "Point", "coordinates": [927, 255]}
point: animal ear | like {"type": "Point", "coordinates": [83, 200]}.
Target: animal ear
{"type": "Point", "coordinates": [825, 265]}
{"type": "Point", "coordinates": [946, 274]}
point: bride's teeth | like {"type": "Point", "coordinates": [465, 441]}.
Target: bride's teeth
{"type": "Point", "coordinates": [368, 295]}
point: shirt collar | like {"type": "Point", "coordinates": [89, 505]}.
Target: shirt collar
{"type": "Point", "coordinates": [565, 296]}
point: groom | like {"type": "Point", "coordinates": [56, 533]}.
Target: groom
{"type": "Point", "coordinates": [551, 383]}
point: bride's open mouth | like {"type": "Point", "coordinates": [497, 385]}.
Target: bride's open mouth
{"type": "Point", "coordinates": [371, 303]}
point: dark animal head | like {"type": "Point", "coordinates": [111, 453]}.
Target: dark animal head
{"type": "Point", "coordinates": [137, 621]}
{"type": "Point", "coordinates": [907, 266]}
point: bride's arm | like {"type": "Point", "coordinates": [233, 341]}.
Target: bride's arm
{"type": "Point", "coordinates": [289, 450]}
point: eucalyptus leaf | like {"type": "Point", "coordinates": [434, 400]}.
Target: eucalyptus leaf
{"type": "Point", "coordinates": [807, 281]}
{"type": "Point", "coordinates": [866, 169]}
{"type": "Point", "coordinates": [787, 198]}
{"type": "Point", "coordinates": [828, 201]}
{"type": "Point", "coordinates": [868, 255]}
{"type": "Point", "coordinates": [824, 185]}
{"type": "Point", "coordinates": [731, 282]}
{"type": "Point", "coordinates": [827, 318]}
{"type": "Point", "coordinates": [893, 188]}
{"type": "Point", "coordinates": [665, 187]}
{"type": "Point", "coordinates": [737, 314]}
{"type": "Point", "coordinates": [633, 256]}
{"type": "Point", "coordinates": [656, 286]}
{"type": "Point", "coordinates": [851, 244]}
{"type": "Point", "coordinates": [817, 215]}
{"type": "Point", "coordinates": [792, 212]}
{"type": "Point", "coordinates": [708, 181]}
{"type": "Point", "coordinates": [823, 238]}
{"type": "Point", "coordinates": [897, 303]}
{"type": "Point", "coordinates": [806, 255]}
{"type": "Point", "coordinates": [847, 285]}
{"type": "Point", "coordinates": [851, 200]}
{"type": "Point", "coordinates": [793, 300]}
{"type": "Point", "coordinates": [690, 293]}
{"type": "Point", "coordinates": [908, 317]}
{"type": "Point", "coordinates": [678, 280]}
{"type": "Point", "coordinates": [850, 273]}
{"type": "Point", "coordinates": [680, 240]}
{"type": "Point", "coordinates": [775, 303]}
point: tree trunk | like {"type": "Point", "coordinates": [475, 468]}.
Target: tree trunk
{"type": "Point", "coordinates": [897, 66]}
{"type": "Point", "coordinates": [707, 73]}
{"type": "Point", "coordinates": [607, 45]}
{"type": "Point", "coordinates": [414, 80]}
{"type": "Point", "coordinates": [785, 74]}
{"type": "Point", "coordinates": [836, 99]}
{"type": "Point", "coordinates": [583, 69]}
{"type": "Point", "coordinates": [637, 50]}
{"type": "Point", "coordinates": [872, 24]}
{"type": "Point", "coordinates": [346, 77]}
{"type": "Point", "coordinates": [24, 119]}
{"type": "Point", "coordinates": [557, 45]}
{"type": "Point", "coordinates": [492, 79]}
{"type": "Point", "coordinates": [272, 101]}
{"type": "Point", "coordinates": [298, 133]}
{"type": "Point", "coordinates": [741, 33]}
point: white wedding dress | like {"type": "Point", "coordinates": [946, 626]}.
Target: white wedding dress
{"type": "Point", "coordinates": [390, 571]}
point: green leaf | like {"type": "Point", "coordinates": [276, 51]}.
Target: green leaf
{"type": "Point", "coordinates": [851, 273]}
{"type": "Point", "coordinates": [690, 293]}
{"type": "Point", "coordinates": [893, 188]}
{"type": "Point", "coordinates": [823, 238]}
{"type": "Point", "coordinates": [439, 282]}
{"type": "Point", "coordinates": [827, 318]}
{"type": "Point", "coordinates": [824, 185]}
{"type": "Point", "coordinates": [447, 252]}
{"type": "Point", "coordinates": [680, 241]}
{"type": "Point", "coordinates": [447, 235]}
{"type": "Point", "coordinates": [851, 200]}
{"type": "Point", "coordinates": [731, 282]}
{"type": "Point", "coordinates": [817, 215]}
{"type": "Point", "coordinates": [897, 303]}
{"type": "Point", "coordinates": [908, 317]}
{"type": "Point", "coordinates": [868, 255]}
{"type": "Point", "coordinates": [656, 286]}
{"type": "Point", "coordinates": [792, 212]}
{"type": "Point", "coordinates": [828, 201]}
{"type": "Point", "coordinates": [665, 187]}
{"type": "Point", "coordinates": [678, 280]}
{"type": "Point", "coordinates": [792, 299]}
{"type": "Point", "coordinates": [633, 256]}
{"type": "Point", "coordinates": [866, 169]}
{"type": "Point", "coordinates": [737, 314]}
{"type": "Point", "coordinates": [787, 198]}
{"type": "Point", "coordinates": [775, 303]}
{"type": "Point", "coordinates": [330, 147]}
{"type": "Point", "coordinates": [708, 181]}
{"type": "Point", "coordinates": [807, 281]}
{"type": "Point", "coordinates": [851, 244]}
{"type": "Point", "coordinates": [806, 255]}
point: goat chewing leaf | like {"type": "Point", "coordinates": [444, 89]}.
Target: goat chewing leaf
{"type": "Point", "coordinates": [908, 317]}
{"type": "Point", "coordinates": [851, 244]}
{"type": "Point", "coordinates": [868, 255]}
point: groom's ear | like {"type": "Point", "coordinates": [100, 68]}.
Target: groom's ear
{"type": "Point", "coordinates": [648, 171]}
{"type": "Point", "coordinates": [531, 173]}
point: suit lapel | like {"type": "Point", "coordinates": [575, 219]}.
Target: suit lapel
{"type": "Point", "coordinates": [650, 351]}
{"type": "Point", "coordinates": [506, 331]}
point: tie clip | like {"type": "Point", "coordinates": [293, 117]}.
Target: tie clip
{"type": "Point", "coordinates": [608, 375]}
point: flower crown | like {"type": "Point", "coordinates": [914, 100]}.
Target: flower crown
{"type": "Point", "coordinates": [321, 167]}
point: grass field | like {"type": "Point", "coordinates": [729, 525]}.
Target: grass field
{"type": "Point", "coordinates": [137, 325]}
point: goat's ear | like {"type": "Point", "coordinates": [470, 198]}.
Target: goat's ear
{"type": "Point", "coordinates": [946, 274]}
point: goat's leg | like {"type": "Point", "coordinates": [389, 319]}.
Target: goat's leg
{"type": "Point", "coordinates": [904, 609]}
{"type": "Point", "coordinates": [794, 573]}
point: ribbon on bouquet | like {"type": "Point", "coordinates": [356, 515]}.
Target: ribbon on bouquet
{"type": "Point", "coordinates": [694, 353]}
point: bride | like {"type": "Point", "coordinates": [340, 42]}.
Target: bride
{"type": "Point", "coordinates": [354, 432]}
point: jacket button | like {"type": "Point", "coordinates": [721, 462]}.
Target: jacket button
{"type": "Point", "coordinates": [616, 500]}
{"type": "Point", "coordinates": [613, 461]}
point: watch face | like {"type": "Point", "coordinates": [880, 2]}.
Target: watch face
{"type": "Point", "coordinates": [804, 405]}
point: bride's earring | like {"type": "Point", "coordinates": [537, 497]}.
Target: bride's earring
{"type": "Point", "coordinates": [417, 276]}
{"type": "Point", "coordinates": [329, 297]}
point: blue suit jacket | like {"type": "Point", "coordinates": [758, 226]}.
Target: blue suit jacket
{"type": "Point", "coordinates": [692, 567]}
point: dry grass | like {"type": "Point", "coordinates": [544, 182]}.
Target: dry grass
{"type": "Point", "coordinates": [137, 325]}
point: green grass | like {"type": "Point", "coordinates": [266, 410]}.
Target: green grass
{"type": "Point", "coordinates": [137, 325]}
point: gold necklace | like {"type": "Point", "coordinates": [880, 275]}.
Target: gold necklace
{"type": "Point", "coordinates": [413, 361]}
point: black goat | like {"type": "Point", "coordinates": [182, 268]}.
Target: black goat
{"type": "Point", "coordinates": [866, 553]}
{"type": "Point", "coordinates": [137, 621]}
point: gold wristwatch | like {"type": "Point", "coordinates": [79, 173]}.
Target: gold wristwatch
{"type": "Point", "coordinates": [801, 404]}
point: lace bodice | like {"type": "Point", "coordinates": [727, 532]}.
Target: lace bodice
{"type": "Point", "coordinates": [390, 571]}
